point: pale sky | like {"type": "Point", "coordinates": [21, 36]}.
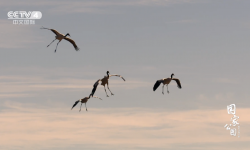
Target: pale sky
{"type": "Point", "coordinates": [205, 43]}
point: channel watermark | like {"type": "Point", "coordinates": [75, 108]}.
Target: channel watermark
{"type": "Point", "coordinates": [231, 109]}
{"type": "Point", "coordinates": [24, 17]}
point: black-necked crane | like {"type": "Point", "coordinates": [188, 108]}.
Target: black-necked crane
{"type": "Point", "coordinates": [84, 100]}
{"type": "Point", "coordinates": [166, 81]}
{"type": "Point", "coordinates": [60, 36]}
{"type": "Point", "coordinates": [103, 82]}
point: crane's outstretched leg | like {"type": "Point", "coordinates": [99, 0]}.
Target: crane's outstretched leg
{"type": "Point", "coordinates": [86, 107]}
{"type": "Point", "coordinates": [51, 42]}
{"type": "Point", "coordinates": [163, 89]}
{"type": "Point", "coordinates": [106, 91]}
{"type": "Point", "coordinates": [80, 107]}
{"type": "Point", "coordinates": [57, 45]}
{"type": "Point", "coordinates": [109, 89]}
{"type": "Point", "coordinates": [167, 88]}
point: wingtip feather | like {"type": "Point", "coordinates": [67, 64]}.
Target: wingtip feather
{"type": "Point", "coordinates": [77, 48]}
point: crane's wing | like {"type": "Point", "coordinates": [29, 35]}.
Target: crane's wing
{"type": "Point", "coordinates": [75, 104]}
{"type": "Point", "coordinates": [53, 30]}
{"type": "Point", "coordinates": [157, 84]}
{"type": "Point", "coordinates": [178, 82]}
{"type": "Point", "coordinates": [72, 42]}
{"type": "Point", "coordinates": [117, 76]}
{"type": "Point", "coordinates": [96, 97]}
{"type": "Point", "coordinates": [95, 87]}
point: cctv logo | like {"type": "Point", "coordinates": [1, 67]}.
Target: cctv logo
{"type": "Point", "coordinates": [24, 15]}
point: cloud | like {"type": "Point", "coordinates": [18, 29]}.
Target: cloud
{"type": "Point", "coordinates": [217, 97]}
{"type": "Point", "coordinates": [15, 94]}
{"type": "Point", "coordinates": [14, 86]}
{"type": "Point", "coordinates": [28, 127]}
{"type": "Point", "coordinates": [227, 80]}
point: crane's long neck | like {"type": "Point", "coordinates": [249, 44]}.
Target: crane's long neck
{"type": "Point", "coordinates": [171, 76]}
{"type": "Point", "coordinates": [66, 35]}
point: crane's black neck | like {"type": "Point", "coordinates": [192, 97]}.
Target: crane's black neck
{"type": "Point", "coordinates": [66, 35]}
{"type": "Point", "coordinates": [172, 76]}
{"type": "Point", "coordinates": [107, 73]}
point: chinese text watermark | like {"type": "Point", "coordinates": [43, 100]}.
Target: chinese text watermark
{"type": "Point", "coordinates": [231, 109]}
